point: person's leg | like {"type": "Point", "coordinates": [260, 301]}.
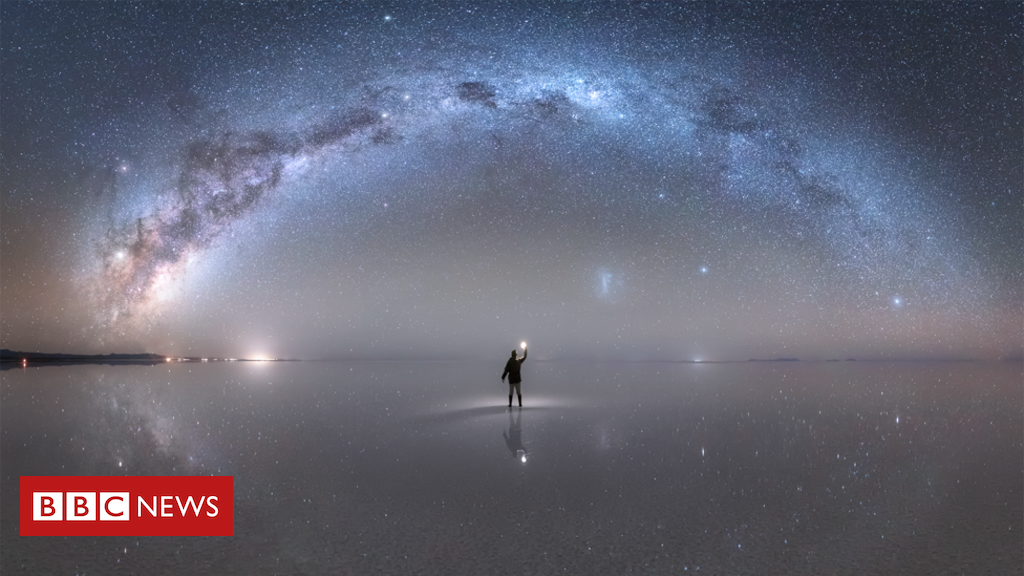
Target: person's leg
{"type": "Point", "coordinates": [511, 386]}
{"type": "Point", "coordinates": [518, 393]}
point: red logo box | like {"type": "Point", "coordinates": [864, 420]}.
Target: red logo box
{"type": "Point", "coordinates": [127, 505]}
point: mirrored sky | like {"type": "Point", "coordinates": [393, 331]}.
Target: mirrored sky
{"type": "Point", "coordinates": [641, 181]}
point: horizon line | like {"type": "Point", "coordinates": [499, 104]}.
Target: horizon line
{"type": "Point", "coordinates": [8, 355]}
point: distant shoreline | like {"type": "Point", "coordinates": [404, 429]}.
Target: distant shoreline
{"type": "Point", "coordinates": [14, 359]}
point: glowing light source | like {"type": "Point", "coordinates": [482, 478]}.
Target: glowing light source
{"type": "Point", "coordinates": [522, 345]}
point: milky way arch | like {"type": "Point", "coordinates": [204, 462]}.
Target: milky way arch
{"type": "Point", "coordinates": [738, 146]}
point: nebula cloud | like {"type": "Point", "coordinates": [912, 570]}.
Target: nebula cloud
{"type": "Point", "coordinates": [221, 182]}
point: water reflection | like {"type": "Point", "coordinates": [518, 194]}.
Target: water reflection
{"type": "Point", "coordinates": [514, 436]}
{"type": "Point", "coordinates": [360, 468]}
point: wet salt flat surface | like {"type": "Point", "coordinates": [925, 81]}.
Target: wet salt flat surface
{"type": "Point", "coordinates": [420, 468]}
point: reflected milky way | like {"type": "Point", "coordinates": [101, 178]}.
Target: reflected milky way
{"type": "Point", "coordinates": [398, 467]}
{"type": "Point", "coordinates": [629, 181]}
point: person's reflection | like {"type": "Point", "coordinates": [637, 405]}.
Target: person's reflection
{"type": "Point", "coordinates": [514, 437]}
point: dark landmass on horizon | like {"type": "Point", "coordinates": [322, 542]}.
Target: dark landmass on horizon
{"type": "Point", "coordinates": [14, 359]}
{"type": "Point", "coordinates": [16, 356]}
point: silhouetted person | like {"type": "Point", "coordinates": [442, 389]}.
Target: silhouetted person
{"type": "Point", "coordinates": [512, 371]}
{"type": "Point", "coordinates": [514, 437]}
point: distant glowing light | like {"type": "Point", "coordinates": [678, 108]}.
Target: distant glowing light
{"type": "Point", "coordinates": [522, 345]}
{"type": "Point", "coordinates": [120, 255]}
{"type": "Point", "coordinates": [703, 269]}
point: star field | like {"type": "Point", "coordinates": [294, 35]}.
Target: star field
{"type": "Point", "coordinates": [640, 181]}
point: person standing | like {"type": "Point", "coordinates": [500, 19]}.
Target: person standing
{"type": "Point", "coordinates": [514, 379]}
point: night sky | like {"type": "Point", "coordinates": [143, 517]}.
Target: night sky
{"type": "Point", "coordinates": [631, 181]}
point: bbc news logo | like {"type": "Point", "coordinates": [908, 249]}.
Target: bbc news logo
{"type": "Point", "coordinates": [127, 506]}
